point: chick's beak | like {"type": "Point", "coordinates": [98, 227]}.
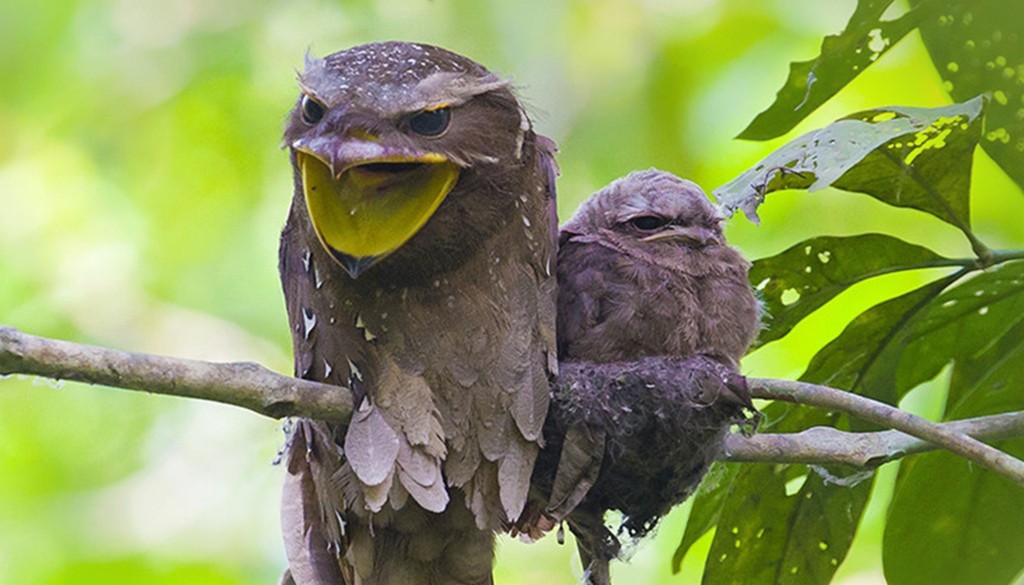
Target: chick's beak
{"type": "Point", "coordinates": [696, 236]}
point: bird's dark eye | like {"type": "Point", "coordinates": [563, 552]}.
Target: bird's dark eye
{"type": "Point", "coordinates": [648, 222]}
{"type": "Point", "coordinates": [431, 122]}
{"type": "Point", "coordinates": [312, 110]}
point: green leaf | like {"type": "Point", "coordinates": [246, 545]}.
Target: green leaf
{"type": "Point", "coordinates": [766, 537]}
{"type": "Point", "coordinates": [751, 527]}
{"type": "Point", "coordinates": [707, 504]}
{"type": "Point", "coordinates": [907, 157]}
{"type": "Point", "coordinates": [960, 325]}
{"type": "Point", "coordinates": [797, 282]}
{"type": "Point", "coordinates": [983, 385]}
{"type": "Point", "coordinates": [843, 57]}
{"type": "Point", "coordinates": [811, 532]}
{"type": "Point", "coordinates": [753, 502]}
{"type": "Point", "coordinates": [971, 372]}
{"type": "Point", "coordinates": [978, 47]}
{"type": "Point", "coordinates": [952, 522]}
{"type": "Point", "coordinates": [723, 485]}
{"type": "Point", "coordinates": [897, 344]}
{"type": "Point", "coordinates": [803, 538]}
{"type": "Point", "coordinates": [844, 361]}
{"type": "Point", "coordinates": [734, 485]}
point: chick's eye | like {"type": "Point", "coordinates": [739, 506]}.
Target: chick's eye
{"type": "Point", "coordinates": [312, 110]}
{"type": "Point", "coordinates": [431, 122]}
{"type": "Point", "coordinates": [648, 222]}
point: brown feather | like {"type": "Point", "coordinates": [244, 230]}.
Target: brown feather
{"type": "Point", "coordinates": [448, 341]}
{"type": "Point", "coordinates": [310, 558]}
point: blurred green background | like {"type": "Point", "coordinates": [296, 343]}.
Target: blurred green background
{"type": "Point", "coordinates": [142, 190]}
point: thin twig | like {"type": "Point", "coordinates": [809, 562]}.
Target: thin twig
{"type": "Point", "coordinates": [866, 450]}
{"type": "Point", "coordinates": [243, 384]}
{"type": "Point", "coordinates": [893, 418]}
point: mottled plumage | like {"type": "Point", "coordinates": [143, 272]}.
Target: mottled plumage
{"type": "Point", "coordinates": [634, 436]}
{"type": "Point", "coordinates": [447, 341]}
{"type": "Point", "coordinates": [654, 313]}
{"type": "Point", "coordinates": [675, 289]}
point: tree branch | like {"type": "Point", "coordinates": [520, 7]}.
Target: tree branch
{"type": "Point", "coordinates": [243, 384]}
{"type": "Point", "coordinates": [829, 446]}
{"type": "Point", "coordinates": [891, 417]}
{"type": "Point", "coordinates": [274, 395]}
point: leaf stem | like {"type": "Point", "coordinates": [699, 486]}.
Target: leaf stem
{"type": "Point", "coordinates": [1000, 256]}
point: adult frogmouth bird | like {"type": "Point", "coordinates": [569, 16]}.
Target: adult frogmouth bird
{"type": "Point", "coordinates": [418, 270]}
{"type": "Point", "coordinates": [654, 313]}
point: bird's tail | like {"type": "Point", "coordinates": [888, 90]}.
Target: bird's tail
{"type": "Point", "coordinates": [418, 547]}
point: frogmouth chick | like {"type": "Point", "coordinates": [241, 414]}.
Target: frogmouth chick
{"type": "Point", "coordinates": [654, 313]}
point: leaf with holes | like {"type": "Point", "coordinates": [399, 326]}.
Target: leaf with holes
{"type": "Point", "coordinates": [707, 504]}
{"type": "Point", "coordinates": [978, 47]}
{"type": "Point", "coordinates": [797, 282]}
{"type": "Point", "coordinates": [726, 486]}
{"type": "Point", "coordinates": [843, 362]}
{"type": "Point", "coordinates": [907, 157]}
{"type": "Point", "coordinates": [765, 536]}
{"type": "Point", "coordinates": [960, 324]}
{"type": "Point", "coordinates": [951, 522]}
{"type": "Point", "coordinates": [802, 538]}
{"type": "Point", "coordinates": [750, 504]}
{"type": "Point", "coordinates": [844, 56]}
{"type": "Point", "coordinates": [966, 392]}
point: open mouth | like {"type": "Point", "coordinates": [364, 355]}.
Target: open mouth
{"type": "Point", "coordinates": [390, 168]}
{"type": "Point", "coordinates": [387, 175]}
{"type": "Point", "coordinates": [371, 208]}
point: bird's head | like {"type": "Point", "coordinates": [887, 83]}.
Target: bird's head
{"type": "Point", "coordinates": [382, 134]}
{"type": "Point", "coordinates": [649, 210]}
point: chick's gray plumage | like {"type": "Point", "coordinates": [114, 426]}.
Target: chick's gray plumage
{"type": "Point", "coordinates": [654, 313]}
{"type": "Point", "coordinates": [621, 297]}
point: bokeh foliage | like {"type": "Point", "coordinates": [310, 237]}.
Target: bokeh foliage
{"type": "Point", "coordinates": [142, 189]}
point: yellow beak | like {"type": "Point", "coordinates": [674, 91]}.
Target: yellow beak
{"type": "Point", "coordinates": [372, 207]}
